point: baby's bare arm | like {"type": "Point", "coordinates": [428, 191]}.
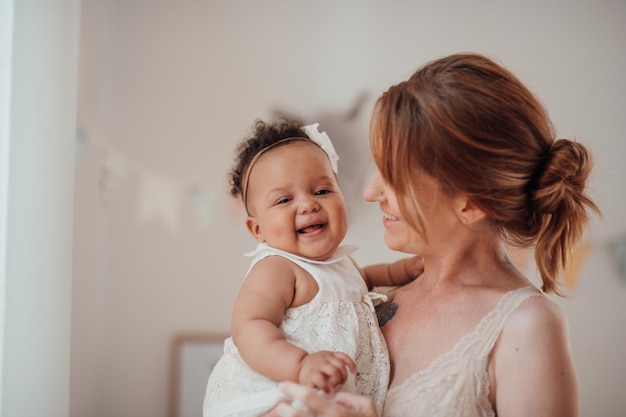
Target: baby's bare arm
{"type": "Point", "coordinates": [393, 274]}
{"type": "Point", "coordinates": [266, 293]}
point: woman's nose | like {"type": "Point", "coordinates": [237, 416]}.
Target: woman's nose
{"type": "Point", "coordinates": [374, 190]}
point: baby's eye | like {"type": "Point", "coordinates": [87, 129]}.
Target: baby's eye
{"type": "Point", "coordinates": [323, 191]}
{"type": "Point", "coordinates": [284, 200]}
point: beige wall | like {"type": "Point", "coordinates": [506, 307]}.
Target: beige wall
{"type": "Point", "coordinates": [172, 86]}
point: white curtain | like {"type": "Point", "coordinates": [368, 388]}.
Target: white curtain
{"type": "Point", "coordinates": [38, 81]}
{"type": "Point", "coordinates": [6, 32]}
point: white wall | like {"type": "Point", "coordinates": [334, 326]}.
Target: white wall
{"type": "Point", "coordinates": [172, 86]}
{"type": "Point", "coordinates": [39, 199]}
{"type": "Point", "coordinates": [6, 43]}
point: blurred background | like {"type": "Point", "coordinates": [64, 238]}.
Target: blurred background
{"type": "Point", "coordinates": [165, 91]}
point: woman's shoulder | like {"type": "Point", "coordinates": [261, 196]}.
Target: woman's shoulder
{"type": "Point", "coordinates": [536, 329]}
{"type": "Point", "coordinates": [533, 355]}
{"type": "Point", "coordinates": [536, 314]}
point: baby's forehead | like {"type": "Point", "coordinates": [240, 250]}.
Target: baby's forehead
{"type": "Point", "coordinates": [295, 143]}
{"type": "Point", "coordinates": [292, 154]}
{"type": "Point", "coordinates": [299, 147]}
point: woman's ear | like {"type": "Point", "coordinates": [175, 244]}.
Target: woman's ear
{"type": "Point", "coordinates": [254, 228]}
{"type": "Point", "coordinates": [467, 211]}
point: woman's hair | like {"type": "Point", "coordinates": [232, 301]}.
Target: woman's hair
{"type": "Point", "coordinates": [264, 135]}
{"type": "Point", "coordinates": [473, 126]}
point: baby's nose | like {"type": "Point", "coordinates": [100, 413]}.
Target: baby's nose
{"type": "Point", "coordinates": [309, 206]}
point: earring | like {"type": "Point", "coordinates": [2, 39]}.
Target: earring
{"type": "Point", "coordinates": [464, 219]}
{"type": "Point", "coordinates": [380, 194]}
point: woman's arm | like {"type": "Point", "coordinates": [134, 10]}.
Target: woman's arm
{"type": "Point", "coordinates": [533, 367]}
{"type": "Point", "coordinates": [310, 403]}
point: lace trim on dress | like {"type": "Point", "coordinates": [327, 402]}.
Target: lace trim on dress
{"type": "Point", "coordinates": [341, 252]}
{"type": "Point", "coordinates": [483, 397]}
{"type": "Point", "coordinates": [459, 348]}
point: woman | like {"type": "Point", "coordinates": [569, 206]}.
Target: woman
{"type": "Point", "coordinates": [467, 161]}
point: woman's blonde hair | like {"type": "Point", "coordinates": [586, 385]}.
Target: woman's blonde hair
{"type": "Point", "coordinates": [473, 126]}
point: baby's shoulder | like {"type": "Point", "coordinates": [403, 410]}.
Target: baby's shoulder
{"type": "Point", "coordinates": [277, 271]}
{"type": "Point", "coordinates": [273, 265]}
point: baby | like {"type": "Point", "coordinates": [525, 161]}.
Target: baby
{"type": "Point", "coordinates": [303, 312]}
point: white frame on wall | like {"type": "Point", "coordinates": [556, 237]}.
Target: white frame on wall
{"type": "Point", "coordinates": [193, 356]}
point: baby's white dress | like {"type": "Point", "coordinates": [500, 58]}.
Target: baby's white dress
{"type": "Point", "coordinates": [340, 318]}
{"type": "Point", "coordinates": [457, 384]}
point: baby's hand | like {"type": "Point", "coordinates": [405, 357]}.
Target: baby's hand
{"type": "Point", "coordinates": [414, 266]}
{"type": "Point", "coordinates": [325, 370]}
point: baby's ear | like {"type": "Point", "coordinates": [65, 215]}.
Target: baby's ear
{"type": "Point", "coordinates": [254, 228]}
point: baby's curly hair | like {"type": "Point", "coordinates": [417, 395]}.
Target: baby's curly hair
{"type": "Point", "coordinates": [263, 136]}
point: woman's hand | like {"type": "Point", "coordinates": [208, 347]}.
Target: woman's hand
{"type": "Point", "coordinates": [310, 403]}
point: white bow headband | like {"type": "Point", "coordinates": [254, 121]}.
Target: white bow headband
{"type": "Point", "coordinates": [319, 138]}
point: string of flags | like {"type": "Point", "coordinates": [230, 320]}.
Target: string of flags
{"type": "Point", "coordinates": [159, 198]}
{"type": "Point", "coordinates": [616, 248]}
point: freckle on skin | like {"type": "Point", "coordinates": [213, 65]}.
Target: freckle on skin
{"type": "Point", "coordinates": [517, 349]}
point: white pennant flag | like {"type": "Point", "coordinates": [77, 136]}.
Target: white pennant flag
{"type": "Point", "coordinates": [112, 174]}
{"type": "Point", "coordinates": [204, 198]}
{"type": "Point", "coordinates": [79, 145]}
{"type": "Point", "coordinates": [159, 200]}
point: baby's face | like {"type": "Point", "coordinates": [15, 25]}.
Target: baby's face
{"type": "Point", "coordinates": [295, 202]}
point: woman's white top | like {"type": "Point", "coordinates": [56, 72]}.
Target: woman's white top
{"type": "Point", "coordinates": [457, 384]}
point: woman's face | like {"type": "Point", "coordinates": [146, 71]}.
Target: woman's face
{"type": "Point", "coordinates": [438, 218]}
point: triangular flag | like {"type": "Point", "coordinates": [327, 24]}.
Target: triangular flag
{"type": "Point", "coordinates": [159, 201]}
{"type": "Point", "coordinates": [204, 199]}
{"type": "Point", "coordinates": [572, 270]}
{"type": "Point", "coordinates": [617, 248]}
{"type": "Point", "coordinates": [112, 174]}
{"type": "Point", "coordinates": [79, 145]}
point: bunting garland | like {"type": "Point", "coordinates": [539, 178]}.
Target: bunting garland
{"type": "Point", "coordinates": [617, 249]}
{"type": "Point", "coordinates": [572, 270]}
{"type": "Point", "coordinates": [81, 139]}
{"type": "Point", "coordinates": [159, 199]}
{"type": "Point", "coordinates": [112, 174]}
{"type": "Point", "coordinates": [204, 198]}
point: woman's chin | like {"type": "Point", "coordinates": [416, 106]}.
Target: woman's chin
{"type": "Point", "coordinates": [400, 244]}
{"type": "Point", "coordinates": [393, 243]}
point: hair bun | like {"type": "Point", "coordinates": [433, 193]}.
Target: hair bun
{"type": "Point", "coordinates": [563, 176]}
